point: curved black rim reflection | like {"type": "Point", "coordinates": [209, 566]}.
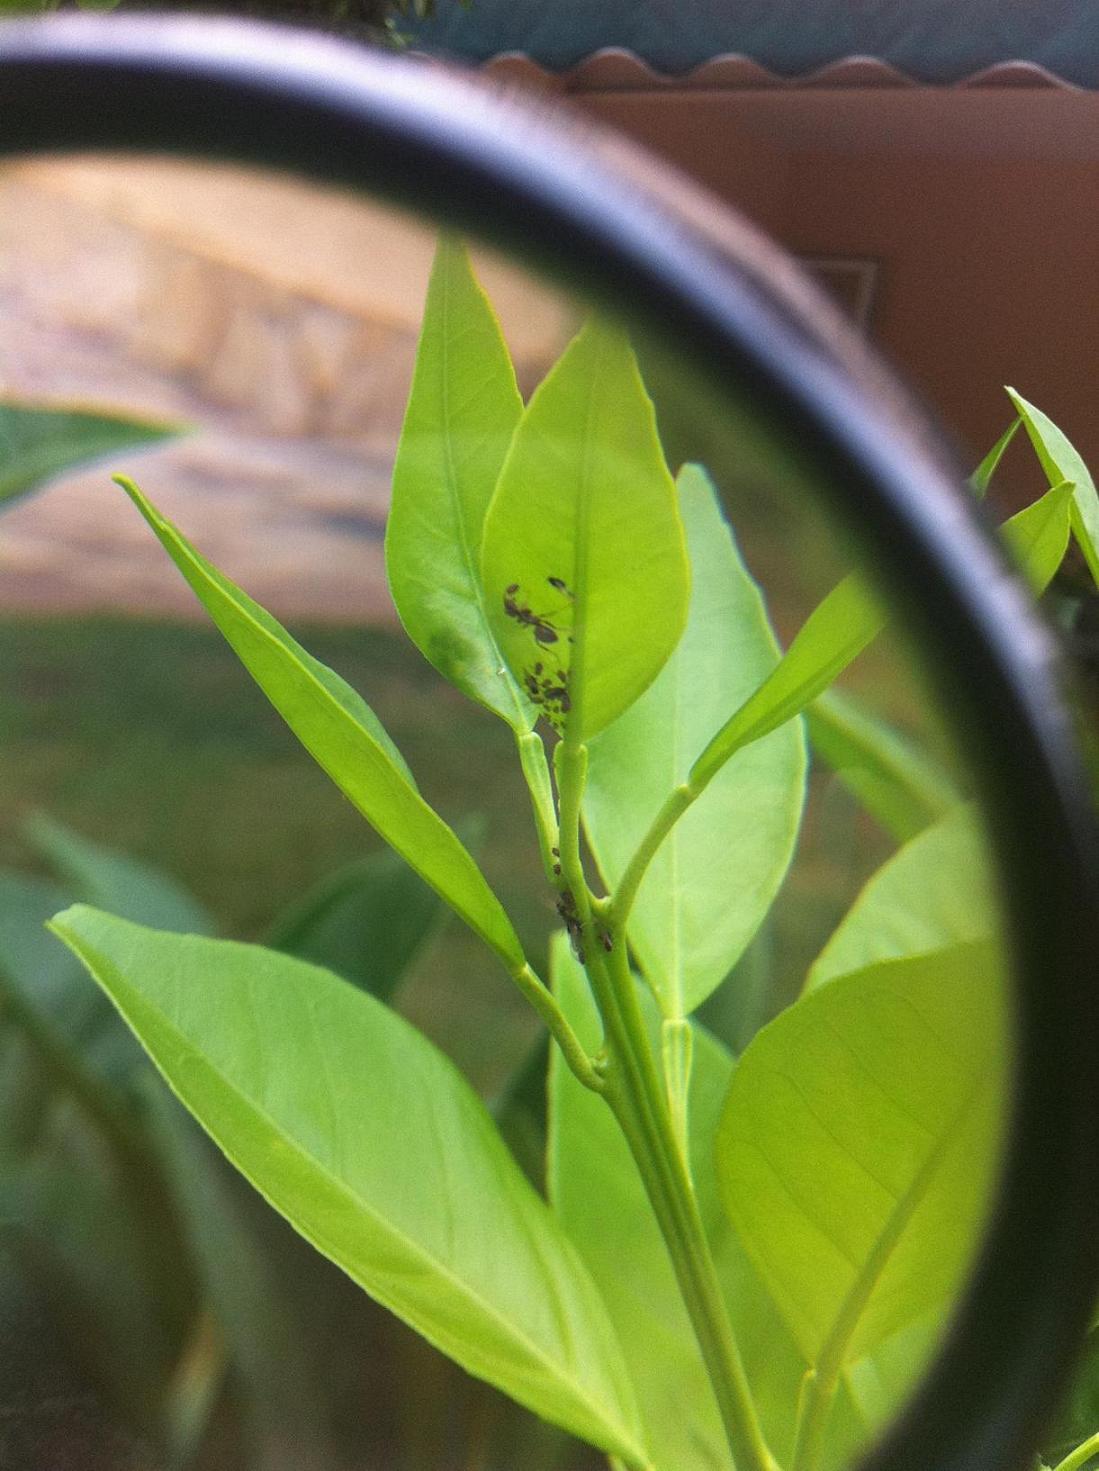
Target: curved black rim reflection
{"type": "Point", "coordinates": [501, 169]}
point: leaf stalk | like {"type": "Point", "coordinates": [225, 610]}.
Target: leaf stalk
{"type": "Point", "coordinates": [1081, 1455]}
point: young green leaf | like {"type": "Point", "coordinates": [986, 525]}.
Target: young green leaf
{"type": "Point", "coordinates": [596, 1191]}
{"type": "Point", "coordinates": [367, 922]}
{"type": "Point", "coordinates": [984, 472]}
{"type": "Point", "coordinates": [461, 415]}
{"type": "Point", "coordinates": [934, 893]}
{"type": "Point", "coordinates": [38, 444]}
{"type": "Point", "coordinates": [714, 876]}
{"type": "Point", "coordinates": [1061, 461]}
{"type": "Point", "coordinates": [345, 738]}
{"type": "Point", "coordinates": [835, 633]}
{"type": "Point", "coordinates": [858, 1144]}
{"type": "Point", "coordinates": [901, 786]}
{"type": "Point", "coordinates": [1038, 535]}
{"type": "Point", "coordinates": [583, 562]}
{"type": "Point", "coordinates": [369, 1141]}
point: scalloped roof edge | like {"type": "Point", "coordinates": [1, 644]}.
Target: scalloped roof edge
{"type": "Point", "coordinates": [616, 69]}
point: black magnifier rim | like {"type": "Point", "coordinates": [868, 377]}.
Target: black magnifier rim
{"type": "Point", "coordinates": [520, 178]}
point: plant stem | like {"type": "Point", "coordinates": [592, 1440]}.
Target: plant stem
{"type": "Point", "coordinates": [545, 1004]}
{"type": "Point", "coordinates": [1081, 1455]}
{"type": "Point", "coordinates": [677, 1049]}
{"type": "Point", "coordinates": [818, 1390]}
{"type": "Point", "coordinates": [634, 1089]}
{"type": "Point", "coordinates": [532, 759]}
{"type": "Point", "coordinates": [635, 1093]}
{"type": "Point", "coordinates": [673, 809]}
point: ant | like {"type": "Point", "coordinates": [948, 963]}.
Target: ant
{"type": "Point", "coordinates": [552, 698]}
{"type": "Point", "coordinates": [541, 624]}
{"type": "Point", "coordinates": [566, 909]}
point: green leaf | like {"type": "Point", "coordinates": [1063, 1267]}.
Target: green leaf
{"type": "Point", "coordinates": [114, 881]}
{"type": "Point", "coordinates": [984, 472]}
{"type": "Point", "coordinates": [714, 876]}
{"type": "Point", "coordinates": [858, 1145]}
{"type": "Point", "coordinates": [881, 1383]}
{"type": "Point", "coordinates": [367, 922]}
{"type": "Point", "coordinates": [898, 784]}
{"type": "Point", "coordinates": [1061, 461]}
{"type": "Point", "coordinates": [934, 892]}
{"type": "Point", "coordinates": [1038, 535]}
{"type": "Point", "coordinates": [461, 415]}
{"type": "Point", "coordinates": [37, 444]}
{"type": "Point", "coordinates": [345, 738]}
{"type": "Point", "coordinates": [583, 561]}
{"type": "Point", "coordinates": [362, 1133]}
{"type": "Point", "coordinates": [81, 1048]}
{"type": "Point", "coordinates": [835, 633]}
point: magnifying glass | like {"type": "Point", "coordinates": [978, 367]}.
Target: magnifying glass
{"type": "Point", "coordinates": [803, 805]}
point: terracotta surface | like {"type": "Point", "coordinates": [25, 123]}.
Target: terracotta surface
{"type": "Point", "coordinates": [979, 205]}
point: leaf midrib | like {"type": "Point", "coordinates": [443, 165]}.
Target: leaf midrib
{"type": "Point", "coordinates": [458, 514]}
{"type": "Point", "coordinates": [832, 1355]}
{"type": "Point", "coordinates": [417, 1252]}
{"type": "Point", "coordinates": [246, 615]}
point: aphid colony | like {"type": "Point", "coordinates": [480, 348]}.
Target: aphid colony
{"type": "Point", "coordinates": [545, 683]}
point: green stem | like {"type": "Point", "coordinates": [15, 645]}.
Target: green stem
{"type": "Point", "coordinates": [634, 1089]}
{"type": "Point", "coordinates": [677, 1051]}
{"type": "Point", "coordinates": [635, 1093]}
{"type": "Point", "coordinates": [532, 759]}
{"type": "Point", "coordinates": [818, 1391]}
{"type": "Point", "coordinates": [545, 1004]}
{"type": "Point", "coordinates": [1081, 1455]}
{"type": "Point", "coordinates": [626, 891]}
{"type": "Point", "coordinates": [571, 766]}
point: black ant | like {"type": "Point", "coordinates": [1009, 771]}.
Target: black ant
{"type": "Point", "coordinates": [552, 698]}
{"type": "Point", "coordinates": [541, 624]}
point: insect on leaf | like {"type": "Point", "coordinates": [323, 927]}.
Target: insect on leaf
{"type": "Point", "coordinates": [583, 561]}
{"type": "Point", "coordinates": [715, 875]}
{"type": "Point", "coordinates": [461, 415]}
{"type": "Point", "coordinates": [373, 1145]}
{"type": "Point", "coordinates": [344, 737]}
